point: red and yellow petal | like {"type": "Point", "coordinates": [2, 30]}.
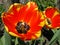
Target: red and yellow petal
{"type": "Point", "coordinates": [11, 33]}
{"type": "Point", "coordinates": [33, 36]}
{"type": "Point", "coordinates": [37, 35]}
{"type": "Point", "coordinates": [56, 21]}
{"type": "Point", "coordinates": [14, 8]}
{"type": "Point", "coordinates": [50, 12]}
{"type": "Point", "coordinates": [27, 11]}
{"type": "Point", "coordinates": [36, 18]}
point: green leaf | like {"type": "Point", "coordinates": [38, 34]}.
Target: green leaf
{"type": "Point", "coordinates": [1, 8]}
{"type": "Point", "coordinates": [55, 37]}
{"type": "Point", "coordinates": [16, 41]}
{"type": "Point", "coordinates": [6, 39]}
{"type": "Point", "coordinates": [42, 39]}
{"type": "Point", "coordinates": [59, 41]}
{"type": "Point", "coordinates": [1, 42]}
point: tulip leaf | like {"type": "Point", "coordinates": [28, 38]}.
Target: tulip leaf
{"type": "Point", "coordinates": [59, 41]}
{"type": "Point", "coordinates": [55, 37]}
{"type": "Point", "coordinates": [6, 39]}
{"type": "Point", "coordinates": [1, 8]}
{"type": "Point", "coordinates": [16, 41]}
{"type": "Point", "coordinates": [1, 42]}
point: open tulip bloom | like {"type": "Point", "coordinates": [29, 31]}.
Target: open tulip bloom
{"type": "Point", "coordinates": [53, 17]}
{"type": "Point", "coordinates": [23, 21]}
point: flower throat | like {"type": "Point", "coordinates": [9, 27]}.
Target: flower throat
{"type": "Point", "coordinates": [22, 27]}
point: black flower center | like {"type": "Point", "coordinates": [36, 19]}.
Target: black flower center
{"type": "Point", "coordinates": [49, 22]}
{"type": "Point", "coordinates": [22, 27]}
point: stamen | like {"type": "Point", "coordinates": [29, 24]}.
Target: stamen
{"type": "Point", "coordinates": [22, 27]}
{"type": "Point", "coordinates": [49, 22]}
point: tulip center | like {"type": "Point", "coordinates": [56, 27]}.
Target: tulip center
{"type": "Point", "coordinates": [49, 22]}
{"type": "Point", "coordinates": [22, 27]}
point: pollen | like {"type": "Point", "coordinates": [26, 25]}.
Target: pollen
{"type": "Point", "coordinates": [22, 27]}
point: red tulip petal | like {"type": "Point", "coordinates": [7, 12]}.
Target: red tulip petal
{"type": "Point", "coordinates": [10, 25]}
{"type": "Point", "coordinates": [26, 11]}
{"type": "Point", "coordinates": [50, 12]}
{"type": "Point", "coordinates": [22, 12]}
{"type": "Point", "coordinates": [28, 36]}
{"type": "Point", "coordinates": [14, 8]}
{"type": "Point", "coordinates": [35, 19]}
{"type": "Point", "coordinates": [35, 29]}
{"type": "Point", "coordinates": [14, 11]}
{"type": "Point", "coordinates": [56, 21]}
{"type": "Point", "coordinates": [10, 18]}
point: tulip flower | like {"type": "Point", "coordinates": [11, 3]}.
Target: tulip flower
{"type": "Point", "coordinates": [52, 17]}
{"type": "Point", "coordinates": [23, 21]}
